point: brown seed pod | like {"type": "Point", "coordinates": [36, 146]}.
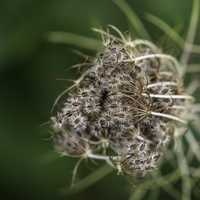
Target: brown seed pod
{"type": "Point", "coordinates": [128, 99]}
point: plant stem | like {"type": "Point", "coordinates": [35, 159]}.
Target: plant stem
{"type": "Point", "coordinates": [90, 180]}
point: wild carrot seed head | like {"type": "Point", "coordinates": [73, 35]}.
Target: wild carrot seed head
{"type": "Point", "coordinates": [128, 97]}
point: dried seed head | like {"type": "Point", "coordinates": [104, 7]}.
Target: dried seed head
{"type": "Point", "coordinates": [129, 97]}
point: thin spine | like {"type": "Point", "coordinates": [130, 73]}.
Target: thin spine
{"type": "Point", "coordinates": [162, 56]}
{"type": "Point", "coordinates": [89, 154]}
{"type": "Point", "coordinates": [76, 83]}
{"type": "Point", "coordinates": [135, 43]}
{"type": "Point", "coordinates": [190, 35]}
{"type": "Point", "coordinates": [163, 83]}
{"type": "Point", "coordinates": [167, 116]}
{"type": "Point", "coordinates": [163, 96]}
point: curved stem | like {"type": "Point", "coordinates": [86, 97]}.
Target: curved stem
{"type": "Point", "coordinates": [171, 33]}
{"type": "Point", "coordinates": [163, 83]}
{"type": "Point", "coordinates": [159, 55]}
{"type": "Point", "coordinates": [158, 182]}
{"type": "Point", "coordinates": [168, 117]}
{"type": "Point", "coordinates": [190, 35]}
{"type": "Point", "coordinates": [137, 42]}
{"type": "Point", "coordinates": [100, 157]}
{"type": "Point", "coordinates": [74, 39]}
{"type": "Point", "coordinates": [133, 18]}
{"type": "Point", "coordinates": [184, 170]}
{"type": "Point", "coordinates": [89, 180]}
{"type": "Point", "coordinates": [163, 96]}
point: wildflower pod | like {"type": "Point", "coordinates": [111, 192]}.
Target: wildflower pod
{"type": "Point", "coordinates": [126, 103]}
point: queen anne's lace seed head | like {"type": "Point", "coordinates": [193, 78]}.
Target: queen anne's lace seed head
{"type": "Point", "coordinates": [125, 104]}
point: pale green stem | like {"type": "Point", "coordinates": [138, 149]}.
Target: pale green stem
{"type": "Point", "coordinates": [89, 180]}
{"type": "Point", "coordinates": [74, 39]}
{"type": "Point", "coordinates": [193, 68]}
{"type": "Point", "coordinates": [185, 172]}
{"type": "Point", "coordinates": [171, 33]}
{"type": "Point", "coordinates": [154, 183]}
{"type": "Point", "coordinates": [194, 145]}
{"type": "Point", "coordinates": [190, 35]}
{"type": "Point", "coordinates": [133, 18]}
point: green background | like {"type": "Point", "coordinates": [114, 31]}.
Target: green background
{"type": "Point", "coordinates": [29, 69]}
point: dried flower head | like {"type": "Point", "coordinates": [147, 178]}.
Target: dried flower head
{"type": "Point", "coordinates": [125, 107]}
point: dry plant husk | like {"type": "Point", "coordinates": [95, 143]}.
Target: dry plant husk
{"type": "Point", "coordinates": [125, 107]}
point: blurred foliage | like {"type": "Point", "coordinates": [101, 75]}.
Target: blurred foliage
{"type": "Point", "coordinates": [29, 69]}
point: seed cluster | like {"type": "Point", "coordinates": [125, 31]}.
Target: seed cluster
{"type": "Point", "coordinates": [124, 108]}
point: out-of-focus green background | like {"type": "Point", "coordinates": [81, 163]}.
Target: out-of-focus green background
{"type": "Point", "coordinates": [29, 69]}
